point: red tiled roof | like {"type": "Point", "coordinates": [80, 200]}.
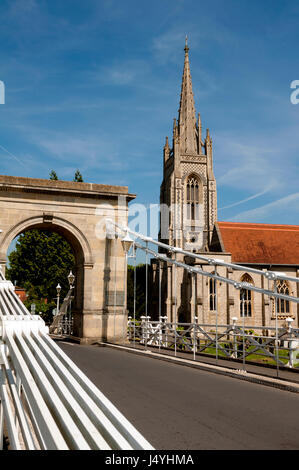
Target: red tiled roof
{"type": "Point", "coordinates": [260, 243]}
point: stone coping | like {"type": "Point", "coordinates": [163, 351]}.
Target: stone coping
{"type": "Point", "coordinates": [19, 183]}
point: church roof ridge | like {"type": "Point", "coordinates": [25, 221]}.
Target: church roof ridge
{"type": "Point", "coordinates": [257, 226]}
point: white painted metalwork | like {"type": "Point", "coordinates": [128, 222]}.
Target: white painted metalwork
{"type": "Point", "coordinates": [270, 275]}
{"type": "Point", "coordinates": [231, 341]}
{"type": "Point", "coordinates": [197, 338]}
{"type": "Point", "coordinates": [46, 400]}
{"type": "Point", "coordinates": [62, 324]}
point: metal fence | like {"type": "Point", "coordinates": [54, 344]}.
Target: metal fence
{"type": "Point", "coordinates": [251, 344]}
{"type": "Point", "coordinates": [64, 326]}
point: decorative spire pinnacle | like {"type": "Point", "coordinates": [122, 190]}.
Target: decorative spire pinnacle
{"type": "Point", "coordinates": [199, 130]}
{"type": "Point", "coordinates": [166, 150]}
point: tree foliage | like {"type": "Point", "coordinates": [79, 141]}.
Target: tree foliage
{"type": "Point", "coordinates": [78, 178]}
{"type": "Point", "coordinates": [140, 290]}
{"type": "Point", "coordinates": [40, 261]}
{"type": "Point", "coordinates": [53, 175]}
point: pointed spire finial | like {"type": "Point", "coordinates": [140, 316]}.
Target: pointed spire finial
{"type": "Point", "coordinates": [186, 45]}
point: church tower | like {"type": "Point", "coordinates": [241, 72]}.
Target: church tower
{"type": "Point", "coordinates": [188, 196]}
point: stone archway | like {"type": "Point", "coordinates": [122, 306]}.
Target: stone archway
{"type": "Point", "coordinates": [77, 240]}
{"type": "Point", "coordinates": [77, 212]}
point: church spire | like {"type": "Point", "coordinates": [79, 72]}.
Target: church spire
{"type": "Point", "coordinates": [187, 115]}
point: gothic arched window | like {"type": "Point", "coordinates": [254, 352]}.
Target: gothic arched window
{"type": "Point", "coordinates": [212, 294]}
{"type": "Point", "coordinates": [193, 198]}
{"type": "Point", "coordinates": [283, 306]}
{"type": "Point", "coordinates": [246, 297]}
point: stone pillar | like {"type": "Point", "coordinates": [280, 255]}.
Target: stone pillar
{"type": "Point", "coordinates": [116, 308]}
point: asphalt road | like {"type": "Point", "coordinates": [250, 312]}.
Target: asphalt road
{"type": "Point", "coordinates": [180, 408]}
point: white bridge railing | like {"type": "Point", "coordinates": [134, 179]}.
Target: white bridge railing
{"type": "Point", "coordinates": [46, 400]}
{"type": "Point", "coordinates": [251, 344]}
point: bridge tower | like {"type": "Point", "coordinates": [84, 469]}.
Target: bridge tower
{"type": "Point", "coordinates": [78, 212]}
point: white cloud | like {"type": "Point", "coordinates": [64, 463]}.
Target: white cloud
{"type": "Point", "coordinates": [12, 156]}
{"type": "Point", "coordinates": [122, 73]}
{"type": "Point", "coordinates": [243, 201]}
{"type": "Point", "coordinates": [89, 152]}
{"type": "Point", "coordinates": [289, 204]}
{"type": "Point", "coordinates": [255, 166]}
{"type": "Point", "coordinates": [69, 147]}
{"type": "Point", "coordinates": [167, 45]}
{"type": "Point", "coordinates": [18, 8]}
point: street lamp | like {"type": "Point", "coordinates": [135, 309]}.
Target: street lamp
{"type": "Point", "coordinates": [71, 279]}
{"type": "Point", "coordinates": [126, 242]}
{"type": "Point", "coordinates": [58, 290]}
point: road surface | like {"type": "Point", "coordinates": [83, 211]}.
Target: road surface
{"type": "Point", "coordinates": [181, 408]}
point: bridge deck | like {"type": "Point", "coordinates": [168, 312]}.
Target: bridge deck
{"type": "Point", "coordinates": [177, 407]}
{"type": "Point", "coordinates": [260, 369]}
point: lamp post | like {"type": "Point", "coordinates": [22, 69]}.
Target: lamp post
{"type": "Point", "coordinates": [126, 242]}
{"type": "Point", "coordinates": [58, 290]}
{"type": "Point", "coordinates": [71, 279]}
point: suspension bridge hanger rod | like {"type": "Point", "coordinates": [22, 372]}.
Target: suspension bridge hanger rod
{"type": "Point", "coordinates": [270, 275]}
{"type": "Point", "coordinates": [236, 285]}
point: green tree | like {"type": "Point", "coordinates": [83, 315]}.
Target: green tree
{"type": "Point", "coordinates": [78, 177]}
{"type": "Point", "coordinates": [53, 175]}
{"type": "Point", "coordinates": [40, 261]}
{"type": "Point", "coordinates": [140, 290]}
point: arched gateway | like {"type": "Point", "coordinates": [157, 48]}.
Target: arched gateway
{"type": "Point", "coordinates": [78, 212]}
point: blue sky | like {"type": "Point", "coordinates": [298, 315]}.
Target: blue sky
{"type": "Point", "coordinates": [95, 85]}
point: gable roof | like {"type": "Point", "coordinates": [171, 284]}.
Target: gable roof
{"type": "Point", "coordinates": [260, 243]}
